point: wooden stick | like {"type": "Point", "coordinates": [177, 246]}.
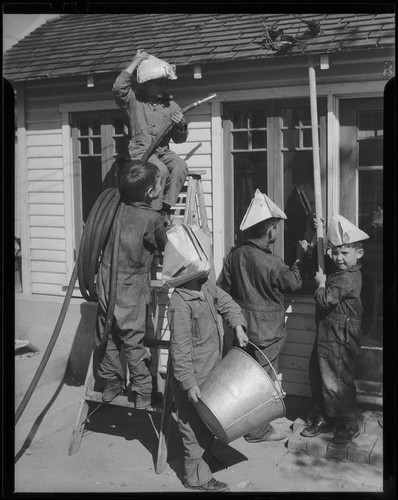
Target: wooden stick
{"type": "Point", "coordinates": [317, 169]}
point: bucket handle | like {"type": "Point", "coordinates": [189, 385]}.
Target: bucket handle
{"type": "Point", "coordinates": [283, 394]}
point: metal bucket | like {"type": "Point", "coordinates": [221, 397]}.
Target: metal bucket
{"type": "Point", "coordinates": [238, 396]}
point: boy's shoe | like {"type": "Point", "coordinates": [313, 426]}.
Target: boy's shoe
{"type": "Point", "coordinates": [142, 402]}
{"type": "Point", "coordinates": [345, 435]}
{"type": "Point", "coordinates": [112, 388]}
{"type": "Point", "coordinates": [212, 485]}
{"type": "Point", "coordinates": [318, 427]}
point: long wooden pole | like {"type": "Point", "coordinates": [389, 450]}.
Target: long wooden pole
{"type": "Point", "coordinates": [317, 168]}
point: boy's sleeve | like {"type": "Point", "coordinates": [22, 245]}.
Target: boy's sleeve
{"type": "Point", "coordinates": [122, 91]}
{"type": "Point", "coordinates": [334, 292]}
{"type": "Point", "coordinates": [181, 345]}
{"type": "Point", "coordinates": [160, 236]}
{"type": "Point", "coordinates": [285, 278]}
{"type": "Point", "coordinates": [179, 133]}
{"type": "Point", "coordinates": [224, 280]}
{"type": "Point", "coordinates": [155, 234]}
{"type": "Point", "coordinates": [229, 310]}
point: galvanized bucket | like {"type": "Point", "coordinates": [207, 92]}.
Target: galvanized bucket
{"type": "Point", "coordinates": [238, 396]}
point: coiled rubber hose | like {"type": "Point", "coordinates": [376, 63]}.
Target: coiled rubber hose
{"type": "Point", "coordinates": [95, 236]}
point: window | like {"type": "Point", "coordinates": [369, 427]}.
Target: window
{"type": "Point", "coordinates": [100, 142]}
{"type": "Point", "coordinates": [361, 200]}
{"type": "Point", "coordinates": [269, 147]}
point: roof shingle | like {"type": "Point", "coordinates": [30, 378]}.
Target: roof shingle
{"type": "Point", "coordinates": [79, 43]}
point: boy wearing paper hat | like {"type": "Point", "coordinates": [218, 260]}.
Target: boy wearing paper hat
{"type": "Point", "coordinates": [149, 107]}
{"type": "Point", "coordinates": [256, 279]}
{"type": "Point", "coordinates": [338, 320]}
{"type": "Point", "coordinates": [195, 342]}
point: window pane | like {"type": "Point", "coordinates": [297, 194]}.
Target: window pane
{"type": "Point", "coordinates": [370, 206]}
{"type": "Point", "coordinates": [370, 153]}
{"type": "Point", "coordinates": [290, 117]}
{"type": "Point", "coordinates": [83, 128]}
{"type": "Point", "coordinates": [307, 138]}
{"type": "Point", "coordinates": [370, 120]}
{"type": "Point", "coordinates": [96, 146]}
{"type": "Point", "coordinates": [119, 127]}
{"type": "Point", "coordinates": [259, 139]}
{"type": "Point", "coordinates": [250, 173]}
{"type": "Point", "coordinates": [290, 139]}
{"type": "Point", "coordinates": [240, 140]}
{"type": "Point", "coordinates": [91, 183]}
{"type": "Point", "coordinates": [84, 148]}
{"type": "Point", "coordinates": [96, 127]}
{"type": "Point", "coordinates": [305, 116]}
{"type": "Point", "coordinates": [239, 119]}
{"type": "Point", "coordinates": [258, 119]}
{"type": "Point", "coordinates": [120, 145]}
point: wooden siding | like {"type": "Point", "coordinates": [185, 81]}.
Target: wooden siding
{"type": "Point", "coordinates": [294, 358]}
{"type": "Point", "coordinates": [45, 196]}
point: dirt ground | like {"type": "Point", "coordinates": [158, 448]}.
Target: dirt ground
{"type": "Point", "coordinates": [118, 453]}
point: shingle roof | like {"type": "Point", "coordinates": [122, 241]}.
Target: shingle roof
{"type": "Point", "coordinates": [76, 44]}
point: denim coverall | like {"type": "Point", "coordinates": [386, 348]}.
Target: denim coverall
{"type": "Point", "coordinates": [145, 122]}
{"type": "Point", "coordinates": [195, 349]}
{"type": "Point", "coordinates": [337, 343]}
{"type": "Point", "coordinates": [142, 232]}
{"type": "Point", "coordinates": [256, 280]}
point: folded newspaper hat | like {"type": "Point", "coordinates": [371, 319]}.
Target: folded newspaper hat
{"type": "Point", "coordinates": [154, 68]}
{"type": "Point", "coordinates": [261, 208]}
{"type": "Point", "coordinates": [186, 256]}
{"type": "Point", "coordinates": [341, 231]}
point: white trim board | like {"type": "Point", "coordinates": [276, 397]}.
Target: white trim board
{"type": "Point", "coordinates": [71, 107]}
{"type": "Point", "coordinates": [352, 89]}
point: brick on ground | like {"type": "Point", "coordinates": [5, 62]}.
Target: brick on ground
{"type": "Point", "coordinates": [318, 445]}
{"type": "Point", "coordinates": [360, 448]}
{"type": "Point", "coordinates": [376, 454]}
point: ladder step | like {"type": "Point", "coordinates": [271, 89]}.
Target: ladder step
{"type": "Point", "coordinates": [118, 401]}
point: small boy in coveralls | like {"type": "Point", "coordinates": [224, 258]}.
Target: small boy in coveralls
{"type": "Point", "coordinates": [337, 343]}
{"type": "Point", "coordinates": [195, 349]}
{"type": "Point", "coordinates": [142, 232]}
{"type": "Point", "coordinates": [256, 279]}
{"type": "Point", "coordinates": [149, 107]}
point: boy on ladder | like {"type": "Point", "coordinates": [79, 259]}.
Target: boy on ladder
{"type": "Point", "coordinates": [142, 233]}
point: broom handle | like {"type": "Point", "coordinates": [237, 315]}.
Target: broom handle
{"type": "Point", "coordinates": [169, 125]}
{"type": "Point", "coordinates": [317, 169]}
{"type": "Point", "coordinates": [268, 361]}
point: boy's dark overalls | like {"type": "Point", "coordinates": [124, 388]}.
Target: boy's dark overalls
{"type": "Point", "coordinates": [142, 232]}
{"type": "Point", "coordinates": [332, 362]}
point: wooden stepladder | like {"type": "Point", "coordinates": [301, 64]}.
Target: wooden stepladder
{"type": "Point", "coordinates": [193, 211]}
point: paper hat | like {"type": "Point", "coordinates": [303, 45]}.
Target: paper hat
{"type": "Point", "coordinates": [186, 255]}
{"type": "Point", "coordinates": [341, 231]}
{"type": "Point", "coordinates": [154, 68]}
{"type": "Point", "coordinates": [261, 208]}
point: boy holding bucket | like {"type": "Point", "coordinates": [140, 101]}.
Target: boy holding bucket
{"type": "Point", "coordinates": [256, 280]}
{"type": "Point", "coordinates": [338, 321]}
{"type": "Point", "coordinates": [195, 342]}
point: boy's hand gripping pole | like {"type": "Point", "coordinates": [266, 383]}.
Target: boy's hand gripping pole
{"type": "Point", "coordinates": [170, 125]}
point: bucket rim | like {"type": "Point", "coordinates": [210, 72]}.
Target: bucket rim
{"type": "Point", "coordinates": [262, 369]}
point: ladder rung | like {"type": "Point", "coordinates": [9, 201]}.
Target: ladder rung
{"type": "Point", "coordinates": [196, 172]}
{"type": "Point", "coordinates": [162, 344]}
{"type": "Point", "coordinates": [118, 401]}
